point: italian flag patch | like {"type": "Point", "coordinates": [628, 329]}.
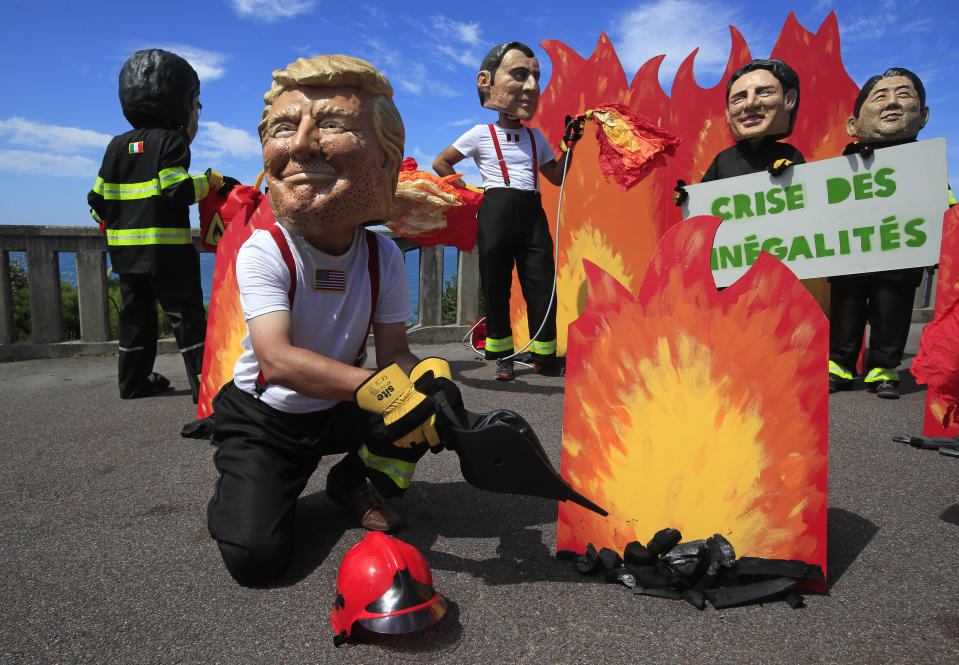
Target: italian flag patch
{"type": "Point", "coordinates": [136, 148]}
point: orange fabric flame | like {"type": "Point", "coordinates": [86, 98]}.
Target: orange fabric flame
{"type": "Point", "coordinates": [432, 210]}
{"type": "Point", "coordinates": [696, 409]}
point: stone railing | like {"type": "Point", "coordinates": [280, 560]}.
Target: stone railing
{"type": "Point", "coordinates": [42, 245]}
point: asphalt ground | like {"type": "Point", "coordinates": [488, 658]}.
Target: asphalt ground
{"type": "Point", "coordinates": [105, 555]}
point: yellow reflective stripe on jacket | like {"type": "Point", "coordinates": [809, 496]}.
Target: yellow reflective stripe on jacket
{"type": "Point", "coordinates": [154, 236]}
{"type": "Point", "coordinates": [399, 471]}
{"type": "Point", "coordinates": [96, 217]}
{"type": "Point", "coordinates": [497, 345]}
{"type": "Point", "coordinates": [544, 348]}
{"type": "Point", "coordinates": [112, 191]}
{"type": "Point", "coordinates": [201, 187]}
{"type": "Point", "coordinates": [840, 371]}
{"type": "Point", "coordinates": [172, 176]}
{"type": "Point", "coordinates": [881, 374]}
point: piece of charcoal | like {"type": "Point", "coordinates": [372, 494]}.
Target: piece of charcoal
{"type": "Point", "coordinates": [794, 599]}
{"type": "Point", "coordinates": [694, 597]}
{"type": "Point", "coordinates": [663, 541]}
{"type": "Point", "coordinates": [610, 558]}
{"type": "Point", "coordinates": [648, 576]}
{"type": "Point", "coordinates": [687, 560]}
{"type": "Point", "coordinates": [751, 565]}
{"type": "Point", "coordinates": [660, 592]}
{"type": "Point", "coordinates": [721, 553]}
{"type": "Point", "coordinates": [586, 562]}
{"type": "Point", "coordinates": [622, 576]}
{"type": "Point", "coordinates": [566, 555]}
{"type": "Point", "coordinates": [756, 592]}
{"type": "Point", "coordinates": [636, 554]}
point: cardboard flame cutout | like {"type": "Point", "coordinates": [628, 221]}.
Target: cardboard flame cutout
{"type": "Point", "coordinates": [226, 326]}
{"type": "Point", "coordinates": [618, 231]}
{"type": "Point", "coordinates": [701, 410]}
{"type": "Point", "coordinates": [937, 363]}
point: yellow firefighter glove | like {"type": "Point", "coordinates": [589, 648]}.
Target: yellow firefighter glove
{"type": "Point", "coordinates": [439, 368]}
{"type": "Point", "coordinates": [406, 411]}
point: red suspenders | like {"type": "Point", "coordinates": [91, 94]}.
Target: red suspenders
{"type": "Point", "coordinates": [373, 266]}
{"type": "Point", "coordinates": [502, 162]}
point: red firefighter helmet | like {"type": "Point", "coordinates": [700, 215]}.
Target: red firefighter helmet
{"type": "Point", "coordinates": [384, 585]}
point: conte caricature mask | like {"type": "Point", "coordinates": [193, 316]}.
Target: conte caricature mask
{"type": "Point", "coordinates": [513, 88]}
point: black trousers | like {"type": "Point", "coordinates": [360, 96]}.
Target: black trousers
{"type": "Point", "coordinates": [513, 230]}
{"type": "Point", "coordinates": [177, 287]}
{"type": "Point", "coordinates": [885, 303]}
{"type": "Point", "coordinates": [265, 458]}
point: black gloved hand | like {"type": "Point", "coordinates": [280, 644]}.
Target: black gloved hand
{"type": "Point", "coordinates": [680, 195]}
{"type": "Point", "coordinates": [856, 148]}
{"type": "Point", "coordinates": [228, 184]}
{"type": "Point", "coordinates": [779, 166]}
{"type": "Point", "coordinates": [575, 125]}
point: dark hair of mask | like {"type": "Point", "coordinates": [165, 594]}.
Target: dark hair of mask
{"type": "Point", "coordinates": [496, 54]}
{"type": "Point", "coordinates": [786, 75]}
{"type": "Point", "coordinates": [892, 71]}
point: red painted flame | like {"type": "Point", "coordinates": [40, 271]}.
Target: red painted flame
{"type": "Point", "coordinates": [618, 231]}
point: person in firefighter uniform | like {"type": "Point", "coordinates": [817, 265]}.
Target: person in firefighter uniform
{"type": "Point", "coordinates": [141, 200]}
{"type": "Point", "coordinates": [889, 110]}
{"type": "Point", "coordinates": [311, 287]}
{"type": "Point", "coordinates": [513, 228]}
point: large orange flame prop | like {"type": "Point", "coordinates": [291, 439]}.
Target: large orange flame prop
{"type": "Point", "coordinates": [618, 231]}
{"type": "Point", "coordinates": [696, 409]}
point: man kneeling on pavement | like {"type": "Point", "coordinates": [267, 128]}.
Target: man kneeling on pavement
{"type": "Point", "coordinates": [311, 287]}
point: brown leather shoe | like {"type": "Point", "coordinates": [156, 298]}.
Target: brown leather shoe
{"type": "Point", "coordinates": [368, 506]}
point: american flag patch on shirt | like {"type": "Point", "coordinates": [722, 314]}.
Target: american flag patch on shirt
{"type": "Point", "coordinates": [136, 147]}
{"type": "Point", "coordinates": [329, 280]}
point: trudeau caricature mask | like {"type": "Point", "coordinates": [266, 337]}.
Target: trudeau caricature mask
{"type": "Point", "coordinates": [757, 107]}
{"type": "Point", "coordinates": [509, 81]}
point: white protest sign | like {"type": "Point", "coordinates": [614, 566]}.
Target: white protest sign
{"type": "Point", "coordinates": [837, 216]}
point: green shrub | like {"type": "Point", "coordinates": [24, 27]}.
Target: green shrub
{"type": "Point", "coordinates": [69, 304]}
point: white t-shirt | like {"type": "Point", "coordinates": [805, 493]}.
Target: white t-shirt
{"type": "Point", "coordinates": [517, 153]}
{"type": "Point", "coordinates": [331, 307]}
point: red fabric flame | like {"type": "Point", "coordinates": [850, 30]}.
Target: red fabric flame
{"type": "Point", "coordinates": [630, 146]}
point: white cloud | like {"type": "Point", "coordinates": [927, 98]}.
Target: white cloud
{"type": "Point", "coordinates": [468, 33]}
{"type": "Point", "coordinates": [406, 74]}
{"type": "Point", "coordinates": [20, 131]}
{"type": "Point", "coordinates": [27, 162]}
{"type": "Point", "coordinates": [674, 28]}
{"type": "Point", "coordinates": [463, 122]}
{"type": "Point", "coordinates": [217, 140]}
{"type": "Point", "coordinates": [209, 66]}
{"type": "Point", "coordinates": [458, 41]}
{"type": "Point", "coordinates": [272, 11]}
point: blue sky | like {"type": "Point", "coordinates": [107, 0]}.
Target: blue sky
{"type": "Point", "coordinates": [61, 61]}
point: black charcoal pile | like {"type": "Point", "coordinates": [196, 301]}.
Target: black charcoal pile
{"type": "Point", "coordinates": [696, 571]}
